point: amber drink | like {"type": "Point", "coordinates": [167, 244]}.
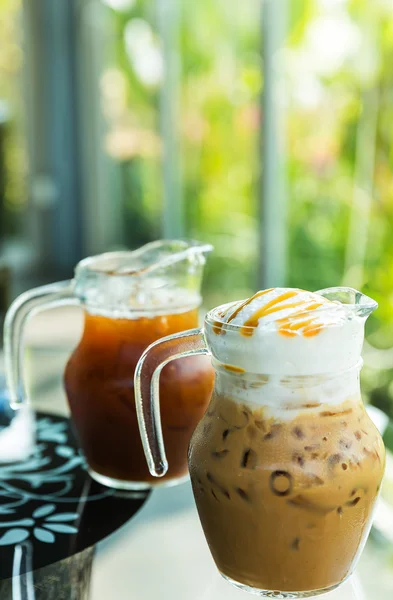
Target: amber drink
{"type": "Point", "coordinates": [99, 381]}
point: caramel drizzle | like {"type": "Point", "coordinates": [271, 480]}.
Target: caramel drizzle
{"type": "Point", "coordinates": [288, 326]}
{"type": "Point", "coordinates": [218, 325]}
{"type": "Point", "coordinates": [269, 308]}
{"type": "Point", "coordinates": [234, 369]}
{"type": "Point", "coordinates": [247, 302]}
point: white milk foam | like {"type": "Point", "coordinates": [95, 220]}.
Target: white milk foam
{"type": "Point", "coordinates": [285, 399]}
{"type": "Point", "coordinates": [307, 335]}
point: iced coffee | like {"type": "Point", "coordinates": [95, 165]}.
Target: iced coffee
{"type": "Point", "coordinates": [286, 465]}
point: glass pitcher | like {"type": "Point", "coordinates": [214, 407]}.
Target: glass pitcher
{"type": "Point", "coordinates": [285, 465]}
{"type": "Point", "coordinates": [129, 299]}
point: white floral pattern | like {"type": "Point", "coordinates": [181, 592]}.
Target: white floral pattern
{"type": "Point", "coordinates": [48, 478]}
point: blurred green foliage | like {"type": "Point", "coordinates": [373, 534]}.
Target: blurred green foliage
{"type": "Point", "coordinates": [336, 79]}
{"type": "Point", "coordinates": [13, 197]}
{"type": "Point", "coordinates": [339, 197]}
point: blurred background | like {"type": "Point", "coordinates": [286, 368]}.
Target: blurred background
{"type": "Point", "coordinates": [264, 128]}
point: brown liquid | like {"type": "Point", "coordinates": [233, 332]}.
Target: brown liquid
{"type": "Point", "coordinates": [100, 388]}
{"type": "Point", "coordinates": [285, 505]}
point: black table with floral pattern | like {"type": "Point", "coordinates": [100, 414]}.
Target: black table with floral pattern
{"type": "Point", "coordinates": [50, 508]}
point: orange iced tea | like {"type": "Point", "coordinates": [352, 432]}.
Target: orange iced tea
{"type": "Point", "coordinates": [99, 381]}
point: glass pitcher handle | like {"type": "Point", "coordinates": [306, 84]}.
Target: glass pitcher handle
{"type": "Point", "coordinates": [27, 304]}
{"type": "Point", "coordinates": [147, 393]}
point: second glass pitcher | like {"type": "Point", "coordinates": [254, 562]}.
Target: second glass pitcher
{"type": "Point", "coordinates": [130, 299]}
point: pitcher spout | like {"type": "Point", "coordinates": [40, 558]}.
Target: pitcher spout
{"type": "Point", "coordinates": [162, 254]}
{"type": "Point", "coordinates": [356, 303]}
